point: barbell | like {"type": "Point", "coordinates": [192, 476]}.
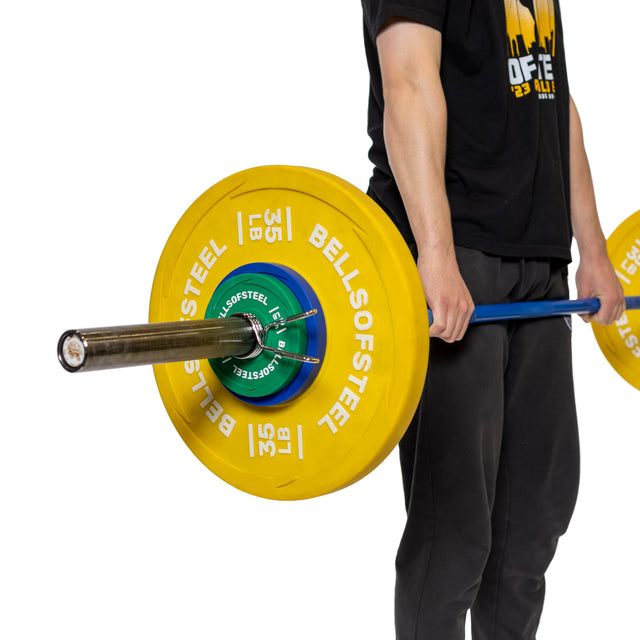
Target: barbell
{"type": "Point", "coordinates": [289, 332]}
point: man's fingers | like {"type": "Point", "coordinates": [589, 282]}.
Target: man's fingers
{"type": "Point", "coordinates": [610, 311]}
{"type": "Point", "coordinates": [451, 326]}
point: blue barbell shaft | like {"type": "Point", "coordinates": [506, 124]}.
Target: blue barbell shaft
{"type": "Point", "coordinates": [539, 309]}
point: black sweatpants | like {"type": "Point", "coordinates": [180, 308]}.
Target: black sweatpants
{"type": "Point", "coordinates": [490, 465]}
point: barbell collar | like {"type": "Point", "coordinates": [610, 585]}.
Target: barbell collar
{"type": "Point", "coordinates": [261, 331]}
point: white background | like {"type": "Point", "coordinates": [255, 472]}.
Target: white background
{"type": "Point", "coordinates": [115, 117]}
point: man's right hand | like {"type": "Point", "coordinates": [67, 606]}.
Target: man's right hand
{"type": "Point", "coordinates": [447, 295]}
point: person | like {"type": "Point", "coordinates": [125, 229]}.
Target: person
{"type": "Point", "coordinates": [479, 159]}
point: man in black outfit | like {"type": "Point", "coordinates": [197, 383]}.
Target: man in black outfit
{"type": "Point", "coordinates": [479, 159]}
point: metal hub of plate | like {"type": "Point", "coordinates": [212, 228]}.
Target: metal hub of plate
{"type": "Point", "coordinates": [347, 416]}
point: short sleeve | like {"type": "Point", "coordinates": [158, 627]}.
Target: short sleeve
{"type": "Point", "coordinates": [428, 12]}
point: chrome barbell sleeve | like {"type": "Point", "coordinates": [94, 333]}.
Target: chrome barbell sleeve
{"type": "Point", "coordinates": [156, 343]}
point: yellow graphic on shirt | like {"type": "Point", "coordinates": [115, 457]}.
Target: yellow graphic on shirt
{"type": "Point", "coordinates": [531, 33]}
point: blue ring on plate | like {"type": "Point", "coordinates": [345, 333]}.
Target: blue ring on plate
{"type": "Point", "coordinates": [316, 330]}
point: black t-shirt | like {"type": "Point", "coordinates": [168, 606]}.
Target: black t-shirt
{"type": "Point", "coordinates": [504, 77]}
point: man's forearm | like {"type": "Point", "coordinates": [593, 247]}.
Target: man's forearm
{"type": "Point", "coordinates": [415, 123]}
{"type": "Point", "coordinates": [584, 212]}
{"type": "Point", "coordinates": [415, 135]}
{"type": "Point", "coordinates": [595, 276]}
{"type": "Point", "coordinates": [415, 126]}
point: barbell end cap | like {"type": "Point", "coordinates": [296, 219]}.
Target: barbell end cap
{"type": "Point", "coordinates": [72, 351]}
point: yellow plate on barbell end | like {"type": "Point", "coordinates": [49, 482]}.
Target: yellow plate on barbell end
{"type": "Point", "coordinates": [373, 371]}
{"type": "Point", "coordinates": [620, 342]}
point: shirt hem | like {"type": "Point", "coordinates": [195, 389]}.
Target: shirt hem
{"type": "Point", "coordinates": [516, 250]}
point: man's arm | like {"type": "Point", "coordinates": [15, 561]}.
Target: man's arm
{"type": "Point", "coordinates": [415, 130]}
{"type": "Point", "coordinates": [595, 277]}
